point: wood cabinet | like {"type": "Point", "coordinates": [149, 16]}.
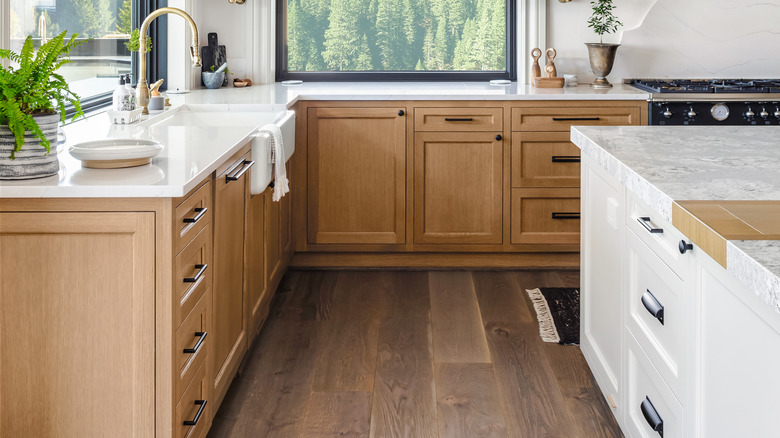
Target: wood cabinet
{"type": "Point", "coordinates": [458, 188]}
{"type": "Point", "coordinates": [356, 179]}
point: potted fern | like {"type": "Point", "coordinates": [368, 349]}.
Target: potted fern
{"type": "Point", "coordinates": [601, 54]}
{"type": "Point", "coordinates": [32, 103]}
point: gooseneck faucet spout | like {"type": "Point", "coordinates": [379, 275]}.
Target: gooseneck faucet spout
{"type": "Point", "coordinates": [142, 90]}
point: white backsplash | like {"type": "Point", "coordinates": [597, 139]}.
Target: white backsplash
{"type": "Point", "coordinates": [674, 38]}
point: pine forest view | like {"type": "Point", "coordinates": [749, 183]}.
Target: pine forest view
{"type": "Point", "coordinates": [396, 35]}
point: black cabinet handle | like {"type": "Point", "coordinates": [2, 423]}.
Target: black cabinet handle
{"type": "Point", "coordinates": [458, 119]}
{"type": "Point", "coordinates": [566, 159]}
{"type": "Point", "coordinates": [202, 337]}
{"type": "Point", "coordinates": [565, 215]}
{"type": "Point", "coordinates": [271, 184]}
{"type": "Point", "coordinates": [194, 421]}
{"type": "Point", "coordinates": [653, 306]}
{"type": "Point", "coordinates": [499, 137]}
{"type": "Point", "coordinates": [401, 112]}
{"type": "Point", "coordinates": [684, 247]}
{"type": "Point", "coordinates": [651, 416]}
{"type": "Point", "coordinates": [244, 168]}
{"type": "Point", "coordinates": [572, 119]}
{"type": "Point", "coordinates": [645, 221]}
{"type": "Point", "coordinates": [201, 211]}
{"type": "Point", "coordinates": [201, 269]}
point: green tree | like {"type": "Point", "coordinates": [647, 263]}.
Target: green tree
{"type": "Point", "coordinates": [391, 35]}
{"type": "Point", "coordinates": [124, 25]}
{"type": "Point", "coordinates": [88, 18]}
{"type": "Point", "coordinates": [345, 48]}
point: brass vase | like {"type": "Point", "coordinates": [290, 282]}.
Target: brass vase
{"type": "Point", "coordinates": [602, 57]}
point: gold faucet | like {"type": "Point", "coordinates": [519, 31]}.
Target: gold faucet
{"type": "Point", "coordinates": [142, 90]}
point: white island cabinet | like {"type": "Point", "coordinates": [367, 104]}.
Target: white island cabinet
{"type": "Point", "coordinates": [679, 346]}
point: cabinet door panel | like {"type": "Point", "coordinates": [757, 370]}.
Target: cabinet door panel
{"type": "Point", "coordinates": [545, 216]}
{"type": "Point", "coordinates": [257, 289]}
{"type": "Point", "coordinates": [457, 188]}
{"type": "Point", "coordinates": [356, 175]}
{"type": "Point", "coordinates": [77, 303]}
{"type": "Point", "coordinates": [544, 159]}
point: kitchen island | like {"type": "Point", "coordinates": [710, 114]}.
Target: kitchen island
{"type": "Point", "coordinates": [680, 314]}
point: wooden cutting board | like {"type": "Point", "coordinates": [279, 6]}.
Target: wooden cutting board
{"type": "Point", "coordinates": [213, 54]}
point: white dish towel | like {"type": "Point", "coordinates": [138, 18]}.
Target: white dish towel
{"type": "Point", "coordinates": [276, 157]}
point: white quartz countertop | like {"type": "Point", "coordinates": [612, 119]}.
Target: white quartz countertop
{"type": "Point", "coordinates": [699, 163]}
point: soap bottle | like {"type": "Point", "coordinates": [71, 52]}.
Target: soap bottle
{"type": "Point", "coordinates": [121, 98]}
{"type": "Point", "coordinates": [130, 90]}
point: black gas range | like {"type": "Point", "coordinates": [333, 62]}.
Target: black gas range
{"type": "Point", "coordinates": [713, 101]}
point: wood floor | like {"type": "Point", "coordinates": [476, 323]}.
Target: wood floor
{"type": "Point", "coordinates": [412, 354]}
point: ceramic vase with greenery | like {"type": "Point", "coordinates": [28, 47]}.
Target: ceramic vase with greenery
{"type": "Point", "coordinates": [601, 54]}
{"type": "Point", "coordinates": [33, 97]}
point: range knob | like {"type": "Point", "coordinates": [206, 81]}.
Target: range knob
{"type": "Point", "coordinates": [749, 113]}
{"type": "Point", "coordinates": [777, 112]}
{"type": "Point", "coordinates": [667, 113]}
{"type": "Point", "coordinates": [691, 112]}
{"type": "Point", "coordinates": [764, 114]}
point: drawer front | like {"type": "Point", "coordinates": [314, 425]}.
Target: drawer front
{"type": "Point", "coordinates": [561, 119]}
{"type": "Point", "coordinates": [657, 312]}
{"type": "Point", "coordinates": [645, 386]}
{"type": "Point", "coordinates": [193, 402]}
{"type": "Point", "coordinates": [544, 159]}
{"type": "Point", "coordinates": [192, 344]}
{"type": "Point", "coordinates": [545, 216]}
{"type": "Point", "coordinates": [458, 119]}
{"type": "Point", "coordinates": [660, 235]}
{"type": "Point", "coordinates": [191, 216]}
{"type": "Point", "coordinates": [193, 273]}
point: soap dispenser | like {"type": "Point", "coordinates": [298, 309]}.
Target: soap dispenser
{"type": "Point", "coordinates": [121, 100]}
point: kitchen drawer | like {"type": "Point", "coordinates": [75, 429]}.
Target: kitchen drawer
{"type": "Point", "coordinates": [191, 344]}
{"type": "Point", "coordinates": [192, 274]}
{"type": "Point", "coordinates": [191, 216]}
{"type": "Point", "coordinates": [658, 314]}
{"type": "Point", "coordinates": [663, 238]}
{"type": "Point", "coordinates": [545, 216]}
{"type": "Point", "coordinates": [194, 401]}
{"type": "Point", "coordinates": [561, 119]}
{"type": "Point", "coordinates": [458, 119]}
{"type": "Point", "coordinates": [645, 386]}
{"type": "Point", "coordinates": [544, 159]}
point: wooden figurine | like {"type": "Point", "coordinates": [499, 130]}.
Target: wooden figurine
{"type": "Point", "coordinates": [535, 70]}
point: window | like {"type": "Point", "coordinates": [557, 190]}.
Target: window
{"type": "Point", "coordinates": [396, 39]}
{"type": "Point", "coordinates": [103, 25]}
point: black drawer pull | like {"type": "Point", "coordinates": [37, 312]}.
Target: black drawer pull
{"type": "Point", "coordinates": [653, 306]}
{"type": "Point", "coordinates": [401, 112]}
{"type": "Point", "coordinates": [202, 337]}
{"type": "Point", "coordinates": [201, 269]}
{"type": "Point", "coordinates": [201, 211]}
{"type": "Point", "coordinates": [245, 166]}
{"type": "Point", "coordinates": [645, 221]}
{"type": "Point", "coordinates": [566, 159]}
{"type": "Point", "coordinates": [651, 416]}
{"type": "Point", "coordinates": [684, 247]}
{"type": "Point", "coordinates": [574, 119]}
{"type": "Point", "coordinates": [194, 421]}
{"type": "Point", "coordinates": [458, 119]}
{"type": "Point", "coordinates": [565, 215]}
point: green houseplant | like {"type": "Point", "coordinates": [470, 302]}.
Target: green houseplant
{"type": "Point", "coordinates": [32, 103]}
{"type": "Point", "coordinates": [601, 54]}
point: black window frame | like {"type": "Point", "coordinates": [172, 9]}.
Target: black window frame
{"type": "Point", "coordinates": [282, 74]}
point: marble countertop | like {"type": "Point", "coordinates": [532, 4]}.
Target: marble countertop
{"type": "Point", "coordinates": [662, 165]}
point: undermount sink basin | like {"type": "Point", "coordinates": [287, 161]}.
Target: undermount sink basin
{"type": "Point", "coordinates": [249, 116]}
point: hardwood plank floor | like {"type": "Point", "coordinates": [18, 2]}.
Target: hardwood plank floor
{"type": "Point", "coordinates": [355, 354]}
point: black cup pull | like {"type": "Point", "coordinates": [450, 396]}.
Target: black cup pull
{"type": "Point", "coordinates": [201, 337]}
{"type": "Point", "coordinates": [401, 112]}
{"type": "Point", "coordinates": [651, 416]}
{"type": "Point", "coordinates": [499, 137]}
{"type": "Point", "coordinates": [200, 212]}
{"type": "Point", "coordinates": [684, 247]}
{"type": "Point", "coordinates": [245, 165]}
{"type": "Point", "coordinates": [565, 159]}
{"type": "Point", "coordinates": [575, 119]}
{"type": "Point", "coordinates": [458, 119]}
{"type": "Point", "coordinates": [565, 215]}
{"type": "Point", "coordinates": [194, 421]}
{"type": "Point", "coordinates": [645, 221]}
{"type": "Point", "coordinates": [653, 306]}
{"type": "Point", "coordinates": [201, 269]}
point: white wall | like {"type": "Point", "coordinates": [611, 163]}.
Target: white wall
{"type": "Point", "coordinates": [674, 38]}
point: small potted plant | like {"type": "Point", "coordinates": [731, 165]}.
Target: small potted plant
{"type": "Point", "coordinates": [601, 54]}
{"type": "Point", "coordinates": [32, 103]}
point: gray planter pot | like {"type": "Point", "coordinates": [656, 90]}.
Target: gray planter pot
{"type": "Point", "coordinates": [602, 58]}
{"type": "Point", "coordinates": [32, 161]}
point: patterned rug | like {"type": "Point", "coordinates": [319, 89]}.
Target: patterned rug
{"type": "Point", "coordinates": [558, 312]}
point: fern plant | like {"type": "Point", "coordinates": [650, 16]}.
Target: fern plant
{"type": "Point", "coordinates": [603, 20]}
{"type": "Point", "coordinates": [34, 88]}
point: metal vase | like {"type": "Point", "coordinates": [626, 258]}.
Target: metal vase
{"type": "Point", "coordinates": [32, 161]}
{"type": "Point", "coordinates": [602, 57]}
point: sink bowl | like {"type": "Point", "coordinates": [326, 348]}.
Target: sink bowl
{"type": "Point", "coordinates": [251, 117]}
